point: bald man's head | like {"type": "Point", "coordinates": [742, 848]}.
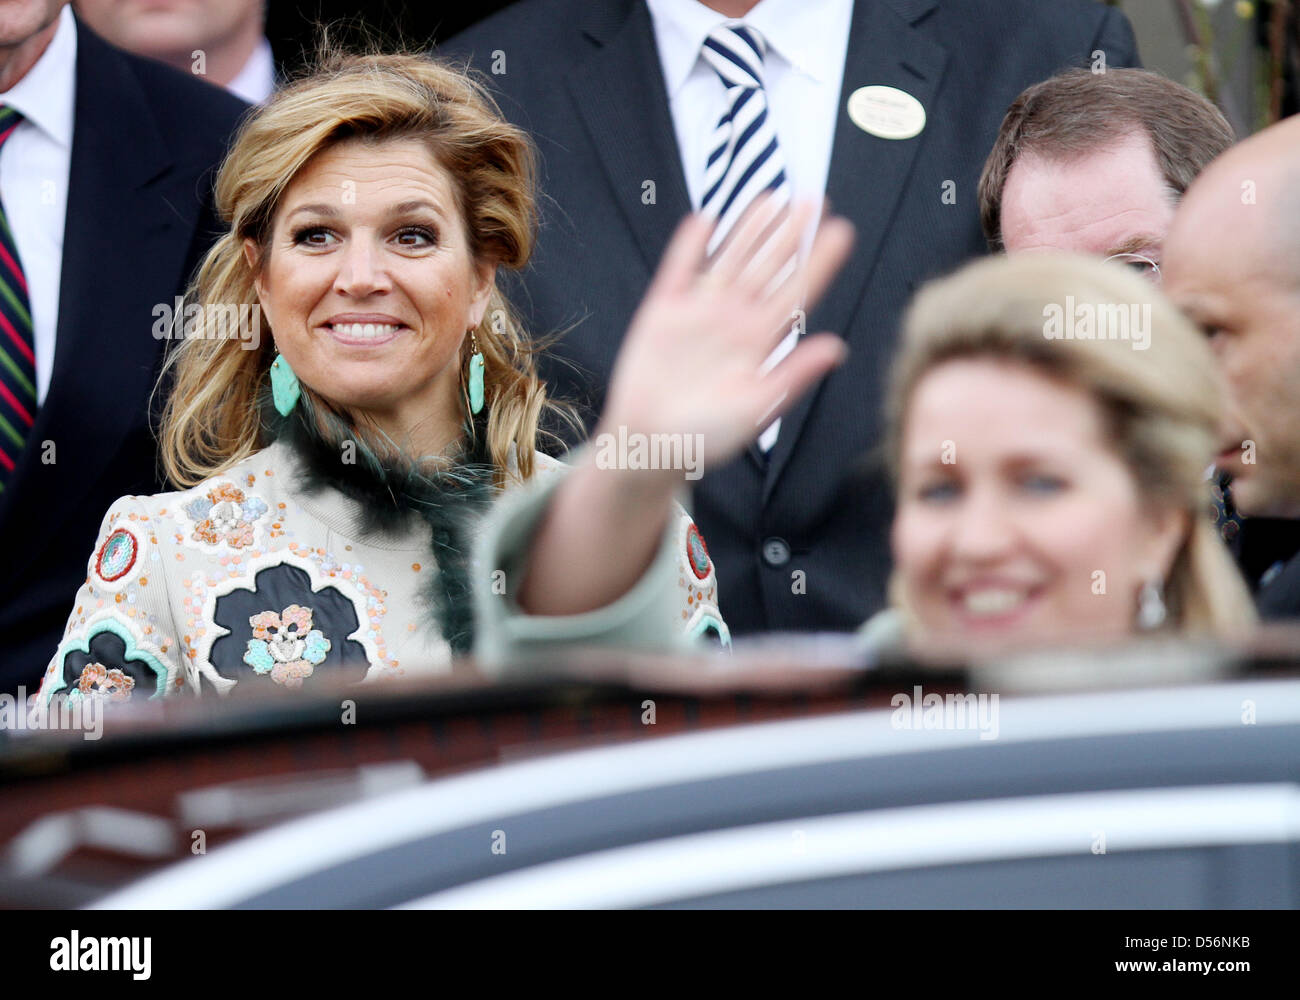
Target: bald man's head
{"type": "Point", "coordinates": [1232, 262]}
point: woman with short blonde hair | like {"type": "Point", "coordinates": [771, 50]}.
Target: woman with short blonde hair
{"type": "Point", "coordinates": [1081, 411]}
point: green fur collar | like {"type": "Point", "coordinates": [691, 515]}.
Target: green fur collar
{"type": "Point", "coordinates": [448, 499]}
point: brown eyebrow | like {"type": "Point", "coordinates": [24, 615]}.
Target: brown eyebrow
{"type": "Point", "coordinates": [1014, 460]}
{"type": "Point", "coordinates": [1135, 243]}
{"type": "Point", "coordinates": [316, 209]}
{"type": "Point", "coordinates": [319, 208]}
{"type": "Point", "coordinates": [411, 206]}
{"type": "Point", "coordinates": [1019, 462]}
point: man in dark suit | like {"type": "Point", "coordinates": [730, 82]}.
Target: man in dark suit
{"type": "Point", "coordinates": [799, 531]}
{"type": "Point", "coordinates": [133, 173]}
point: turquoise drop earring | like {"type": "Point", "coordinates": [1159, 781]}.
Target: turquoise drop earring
{"type": "Point", "coordinates": [285, 388]}
{"type": "Point", "coordinates": [475, 376]}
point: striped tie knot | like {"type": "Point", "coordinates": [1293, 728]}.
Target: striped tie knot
{"type": "Point", "coordinates": [735, 51]}
{"type": "Point", "coordinates": [744, 156]}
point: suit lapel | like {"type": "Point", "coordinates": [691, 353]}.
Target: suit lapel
{"type": "Point", "coordinates": [620, 96]}
{"type": "Point", "coordinates": [120, 239]}
{"type": "Point", "coordinates": [867, 174]}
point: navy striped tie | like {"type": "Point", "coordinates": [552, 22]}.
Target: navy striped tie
{"type": "Point", "coordinates": [744, 157]}
{"type": "Point", "coordinates": [745, 160]}
{"type": "Point", "coordinates": [17, 347]}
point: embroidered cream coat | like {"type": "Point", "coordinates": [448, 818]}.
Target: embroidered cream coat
{"type": "Point", "coordinates": [247, 579]}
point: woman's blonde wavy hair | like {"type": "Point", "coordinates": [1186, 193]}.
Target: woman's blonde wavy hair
{"type": "Point", "coordinates": [1160, 405]}
{"type": "Point", "coordinates": [211, 419]}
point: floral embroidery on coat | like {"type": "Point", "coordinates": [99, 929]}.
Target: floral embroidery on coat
{"type": "Point", "coordinates": [115, 559]}
{"type": "Point", "coordinates": [240, 576]}
{"type": "Point", "coordinates": [111, 658]}
{"type": "Point", "coordinates": [98, 681]}
{"type": "Point", "coordinates": [699, 581]}
{"type": "Point", "coordinates": [285, 645]}
{"type": "Point", "coordinates": [225, 514]}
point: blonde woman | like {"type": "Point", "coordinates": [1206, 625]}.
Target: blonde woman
{"type": "Point", "coordinates": [1052, 418]}
{"type": "Point", "coordinates": [337, 467]}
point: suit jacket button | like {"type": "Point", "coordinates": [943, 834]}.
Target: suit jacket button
{"type": "Point", "coordinates": [776, 552]}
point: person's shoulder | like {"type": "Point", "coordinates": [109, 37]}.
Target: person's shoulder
{"type": "Point", "coordinates": [546, 466]}
{"type": "Point", "coordinates": [1030, 40]}
{"type": "Point", "coordinates": [1278, 599]}
{"type": "Point", "coordinates": [1034, 13]}
{"type": "Point", "coordinates": [249, 483]}
{"type": "Point", "coordinates": [882, 634]}
{"type": "Point", "coordinates": [240, 509]}
{"type": "Point", "coordinates": [546, 472]}
{"type": "Point", "coordinates": [1059, 30]}
{"type": "Point", "coordinates": [188, 108]}
{"type": "Point", "coordinates": [525, 16]}
{"type": "Point", "coordinates": [529, 34]}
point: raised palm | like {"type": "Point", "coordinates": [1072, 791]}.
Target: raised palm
{"type": "Point", "coordinates": [693, 358]}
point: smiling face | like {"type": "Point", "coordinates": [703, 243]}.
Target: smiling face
{"type": "Point", "coordinates": [1112, 201]}
{"type": "Point", "coordinates": [1001, 545]}
{"type": "Point", "coordinates": [369, 286]}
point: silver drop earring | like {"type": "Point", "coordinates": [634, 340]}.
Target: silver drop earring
{"type": "Point", "coordinates": [1151, 606]}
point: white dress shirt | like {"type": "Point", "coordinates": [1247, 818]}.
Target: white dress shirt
{"type": "Point", "coordinates": [807, 41]}
{"type": "Point", "coordinates": [803, 70]}
{"type": "Point", "coordinates": [255, 82]}
{"type": "Point", "coordinates": [34, 166]}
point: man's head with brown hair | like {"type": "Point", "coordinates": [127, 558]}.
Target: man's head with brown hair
{"type": "Point", "coordinates": [1096, 162]}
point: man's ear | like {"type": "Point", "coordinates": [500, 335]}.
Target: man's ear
{"type": "Point", "coordinates": [253, 255]}
{"type": "Point", "coordinates": [484, 283]}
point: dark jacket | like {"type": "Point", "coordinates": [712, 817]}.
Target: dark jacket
{"type": "Point", "coordinates": [1279, 598]}
{"type": "Point", "coordinates": [146, 142]}
{"type": "Point", "coordinates": [800, 538]}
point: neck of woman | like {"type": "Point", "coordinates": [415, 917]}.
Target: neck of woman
{"type": "Point", "coordinates": [390, 484]}
{"type": "Point", "coordinates": [425, 429]}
